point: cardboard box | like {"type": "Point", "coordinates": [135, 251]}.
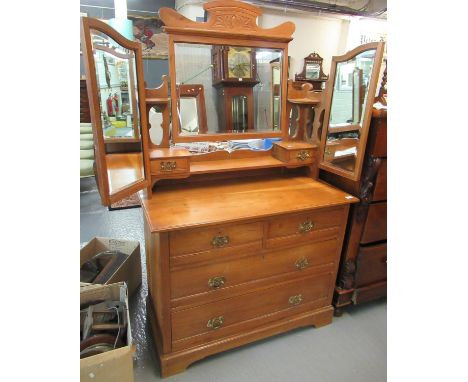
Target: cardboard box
{"type": "Point", "coordinates": [114, 365]}
{"type": "Point", "coordinates": [129, 271]}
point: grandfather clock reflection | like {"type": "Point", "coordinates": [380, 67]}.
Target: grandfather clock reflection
{"type": "Point", "coordinates": [234, 76]}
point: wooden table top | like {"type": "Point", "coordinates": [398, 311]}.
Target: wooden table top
{"type": "Point", "coordinates": [181, 206]}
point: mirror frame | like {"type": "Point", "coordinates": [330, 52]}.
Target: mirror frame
{"type": "Point", "coordinates": [379, 50]}
{"type": "Point", "coordinates": [195, 91]}
{"type": "Point", "coordinates": [229, 23]}
{"type": "Point", "coordinates": [101, 167]}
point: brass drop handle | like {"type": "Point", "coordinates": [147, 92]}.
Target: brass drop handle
{"type": "Point", "coordinates": [167, 166]}
{"type": "Point", "coordinates": [220, 241]}
{"type": "Point", "coordinates": [216, 282]}
{"type": "Point", "coordinates": [215, 322]}
{"type": "Point", "coordinates": [302, 263]}
{"type": "Point", "coordinates": [296, 300]}
{"type": "Point", "coordinates": [306, 226]}
{"type": "Point", "coordinates": [303, 155]}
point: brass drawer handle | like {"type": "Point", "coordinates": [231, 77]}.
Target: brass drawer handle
{"type": "Point", "coordinates": [306, 226]}
{"type": "Point", "coordinates": [296, 300]}
{"type": "Point", "coordinates": [220, 241]}
{"type": "Point", "coordinates": [302, 263]}
{"type": "Point", "coordinates": [167, 166]}
{"type": "Point", "coordinates": [215, 322]}
{"type": "Point", "coordinates": [216, 282]}
{"type": "Point", "coordinates": [303, 155]}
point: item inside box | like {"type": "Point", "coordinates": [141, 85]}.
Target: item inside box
{"type": "Point", "coordinates": [100, 268]}
{"type": "Point", "coordinates": [103, 326]}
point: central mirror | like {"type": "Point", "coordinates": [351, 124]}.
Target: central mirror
{"type": "Point", "coordinates": [225, 89]}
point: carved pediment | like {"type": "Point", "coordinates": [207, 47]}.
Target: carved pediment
{"type": "Point", "coordinates": [231, 17]}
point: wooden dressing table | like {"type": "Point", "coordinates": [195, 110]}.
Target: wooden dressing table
{"type": "Point", "coordinates": [240, 245]}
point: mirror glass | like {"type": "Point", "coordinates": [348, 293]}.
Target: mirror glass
{"type": "Point", "coordinates": [117, 88]}
{"type": "Point", "coordinates": [189, 115]}
{"type": "Point", "coordinates": [312, 71]}
{"type": "Point", "coordinates": [350, 92]}
{"type": "Point", "coordinates": [240, 89]}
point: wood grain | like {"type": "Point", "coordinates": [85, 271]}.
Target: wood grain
{"type": "Point", "coordinates": [177, 207]}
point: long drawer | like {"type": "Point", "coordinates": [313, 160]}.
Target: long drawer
{"type": "Point", "coordinates": [214, 277]}
{"type": "Point", "coordinates": [375, 228]}
{"type": "Point", "coordinates": [221, 318]}
{"type": "Point", "coordinates": [371, 264]}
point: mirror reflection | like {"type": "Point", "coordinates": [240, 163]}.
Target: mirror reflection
{"type": "Point", "coordinates": [115, 75]}
{"type": "Point", "coordinates": [191, 107]}
{"type": "Point", "coordinates": [350, 92]}
{"type": "Point", "coordinates": [235, 89]}
{"type": "Point", "coordinates": [117, 96]}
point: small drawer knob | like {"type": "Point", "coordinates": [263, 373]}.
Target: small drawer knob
{"type": "Point", "coordinates": [215, 322]}
{"type": "Point", "coordinates": [306, 226]}
{"type": "Point", "coordinates": [167, 166]}
{"type": "Point", "coordinates": [216, 282]}
{"type": "Point", "coordinates": [302, 263]}
{"type": "Point", "coordinates": [220, 241]}
{"type": "Point", "coordinates": [296, 300]}
{"type": "Point", "coordinates": [303, 155]}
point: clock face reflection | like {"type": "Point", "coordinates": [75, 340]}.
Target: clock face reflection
{"type": "Point", "coordinates": [239, 62]}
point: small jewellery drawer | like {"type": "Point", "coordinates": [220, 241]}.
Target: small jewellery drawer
{"type": "Point", "coordinates": [294, 152]}
{"type": "Point", "coordinates": [315, 224]}
{"type": "Point", "coordinates": [223, 317]}
{"type": "Point", "coordinates": [166, 167]}
{"type": "Point", "coordinates": [228, 274]}
{"type": "Point", "coordinates": [214, 238]}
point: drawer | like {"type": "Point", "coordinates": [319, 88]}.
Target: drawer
{"type": "Point", "coordinates": [214, 238]}
{"type": "Point", "coordinates": [213, 278]}
{"type": "Point", "coordinates": [215, 320]}
{"type": "Point", "coordinates": [380, 189]}
{"type": "Point", "coordinates": [292, 229]}
{"type": "Point", "coordinates": [371, 264]}
{"type": "Point", "coordinates": [294, 152]}
{"type": "Point", "coordinates": [168, 167]}
{"type": "Point", "coordinates": [378, 138]}
{"type": "Point", "coordinates": [375, 227]}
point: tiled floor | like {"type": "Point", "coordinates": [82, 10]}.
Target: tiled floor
{"type": "Point", "coordinates": [352, 348]}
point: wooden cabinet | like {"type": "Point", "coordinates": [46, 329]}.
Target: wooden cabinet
{"type": "Point", "coordinates": [363, 270]}
{"type": "Point", "coordinates": [228, 264]}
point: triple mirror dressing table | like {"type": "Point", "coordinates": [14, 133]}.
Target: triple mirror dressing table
{"type": "Point", "coordinates": [240, 244]}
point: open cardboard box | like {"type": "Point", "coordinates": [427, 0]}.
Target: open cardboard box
{"type": "Point", "coordinates": [114, 365]}
{"type": "Point", "coordinates": [129, 271]}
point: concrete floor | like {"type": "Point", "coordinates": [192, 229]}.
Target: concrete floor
{"type": "Point", "coordinates": [352, 348]}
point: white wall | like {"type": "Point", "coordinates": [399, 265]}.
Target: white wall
{"type": "Point", "coordinates": [325, 35]}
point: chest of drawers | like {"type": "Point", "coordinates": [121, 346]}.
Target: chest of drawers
{"type": "Point", "coordinates": [362, 274]}
{"type": "Point", "coordinates": [236, 261]}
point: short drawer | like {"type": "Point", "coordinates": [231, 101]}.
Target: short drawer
{"type": "Point", "coordinates": [215, 320]}
{"type": "Point", "coordinates": [380, 189]}
{"type": "Point", "coordinates": [304, 227]}
{"type": "Point", "coordinates": [371, 264]}
{"type": "Point", "coordinates": [375, 227]}
{"type": "Point", "coordinates": [213, 278]}
{"type": "Point", "coordinates": [168, 167]}
{"type": "Point", "coordinates": [214, 238]}
{"type": "Point", "coordinates": [294, 152]}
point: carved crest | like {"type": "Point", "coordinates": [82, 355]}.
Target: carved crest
{"type": "Point", "coordinates": [226, 18]}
